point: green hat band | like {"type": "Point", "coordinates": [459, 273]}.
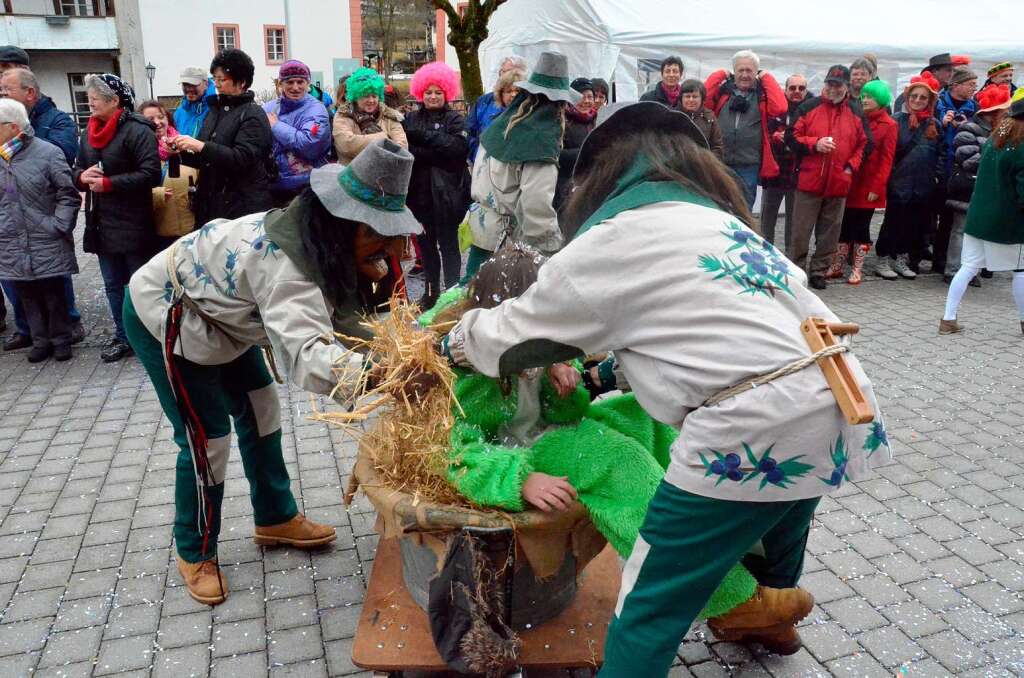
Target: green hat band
{"type": "Point", "coordinates": [364, 193]}
{"type": "Point", "coordinates": [549, 81]}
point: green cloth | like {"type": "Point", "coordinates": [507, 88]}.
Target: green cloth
{"type": "Point", "coordinates": [634, 190]}
{"type": "Point", "coordinates": [477, 257]}
{"type": "Point", "coordinates": [692, 545]}
{"type": "Point", "coordinates": [220, 394]}
{"type": "Point", "coordinates": [996, 213]}
{"type": "Point", "coordinates": [535, 138]}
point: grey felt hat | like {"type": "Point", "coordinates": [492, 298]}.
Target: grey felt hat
{"type": "Point", "coordinates": [623, 118]}
{"type": "Point", "coordinates": [550, 77]}
{"type": "Point", "coordinates": [371, 189]}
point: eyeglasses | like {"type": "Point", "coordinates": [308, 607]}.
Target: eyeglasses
{"type": "Point", "coordinates": [797, 88]}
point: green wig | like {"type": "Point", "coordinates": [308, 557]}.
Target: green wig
{"type": "Point", "coordinates": [364, 82]}
{"type": "Point", "coordinates": [877, 90]}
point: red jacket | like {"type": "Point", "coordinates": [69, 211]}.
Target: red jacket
{"type": "Point", "coordinates": [874, 173]}
{"type": "Point", "coordinates": [772, 102]}
{"type": "Point", "coordinates": [826, 174]}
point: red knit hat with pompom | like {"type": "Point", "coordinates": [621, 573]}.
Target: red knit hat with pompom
{"type": "Point", "coordinates": [961, 60]}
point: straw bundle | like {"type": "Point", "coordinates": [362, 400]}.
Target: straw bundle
{"type": "Point", "coordinates": [411, 439]}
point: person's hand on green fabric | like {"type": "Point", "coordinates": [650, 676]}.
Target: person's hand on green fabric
{"type": "Point", "coordinates": [548, 493]}
{"type": "Point", "coordinates": [564, 377]}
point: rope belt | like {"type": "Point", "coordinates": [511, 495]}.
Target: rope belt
{"type": "Point", "coordinates": [791, 368]}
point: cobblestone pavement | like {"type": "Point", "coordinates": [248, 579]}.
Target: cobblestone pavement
{"type": "Point", "coordinates": [917, 572]}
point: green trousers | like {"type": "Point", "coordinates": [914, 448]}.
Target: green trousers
{"type": "Point", "coordinates": [686, 546]}
{"type": "Point", "coordinates": [241, 390]}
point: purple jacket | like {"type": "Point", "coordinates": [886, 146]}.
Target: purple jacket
{"type": "Point", "coordinates": [302, 138]}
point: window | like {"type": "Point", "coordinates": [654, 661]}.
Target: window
{"type": "Point", "coordinates": [225, 36]}
{"type": "Point", "coordinates": [77, 8]}
{"type": "Point", "coordinates": [79, 99]}
{"type": "Point", "coordinates": [274, 44]}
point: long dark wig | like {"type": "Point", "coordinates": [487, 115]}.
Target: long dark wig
{"type": "Point", "coordinates": [672, 157]}
{"type": "Point", "coordinates": [329, 242]}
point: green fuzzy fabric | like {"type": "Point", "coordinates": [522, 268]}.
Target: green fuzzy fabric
{"type": "Point", "coordinates": [558, 410]}
{"type": "Point", "coordinates": [447, 298]}
{"type": "Point", "coordinates": [363, 82]}
{"type": "Point", "coordinates": [736, 588]}
{"type": "Point", "coordinates": [490, 475]}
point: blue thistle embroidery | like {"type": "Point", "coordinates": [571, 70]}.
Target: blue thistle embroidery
{"type": "Point", "coordinates": [168, 294]}
{"type": "Point", "coordinates": [265, 245]}
{"type": "Point", "coordinates": [230, 260]}
{"type": "Point", "coordinates": [781, 474]}
{"type": "Point", "coordinates": [761, 268]}
{"type": "Point", "coordinates": [207, 229]}
{"type": "Point", "coordinates": [231, 282]}
{"type": "Point", "coordinates": [200, 273]}
{"type": "Point", "coordinates": [839, 458]}
{"type": "Point", "coordinates": [876, 438]}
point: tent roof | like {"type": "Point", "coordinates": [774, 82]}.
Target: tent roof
{"type": "Point", "coordinates": [903, 35]}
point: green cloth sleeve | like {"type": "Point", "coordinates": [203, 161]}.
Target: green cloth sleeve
{"type": "Point", "coordinates": [482, 402]}
{"type": "Point", "coordinates": [486, 474]}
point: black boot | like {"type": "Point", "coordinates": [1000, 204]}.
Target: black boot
{"type": "Point", "coordinates": [40, 353]}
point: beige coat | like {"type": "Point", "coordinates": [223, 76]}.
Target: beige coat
{"type": "Point", "coordinates": [349, 141]}
{"type": "Point", "coordinates": [172, 215]}
{"type": "Point", "coordinates": [692, 303]}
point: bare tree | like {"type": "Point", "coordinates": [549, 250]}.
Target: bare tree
{"type": "Point", "coordinates": [388, 22]}
{"type": "Point", "coordinates": [465, 33]}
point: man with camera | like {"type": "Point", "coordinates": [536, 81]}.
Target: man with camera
{"type": "Point", "coordinates": [744, 101]}
{"type": "Point", "coordinates": [955, 107]}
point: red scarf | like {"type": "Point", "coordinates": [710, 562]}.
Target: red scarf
{"type": "Point", "coordinates": [100, 133]}
{"type": "Point", "coordinates": [579, 116]}
{"type": "Point", "coordinates": [671, 93]}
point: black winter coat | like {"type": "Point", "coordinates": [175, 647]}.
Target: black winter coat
{"type": "Point", "coordinates": [916, 171]}
{"type": "Point", "coordinates": [572, 140]}
{"type": "Point", "coordinates": [439, 186]}
{"type": "Point", "coordinates": [233, 163]}
{"type": "Point", "coordinates": [120, 221]}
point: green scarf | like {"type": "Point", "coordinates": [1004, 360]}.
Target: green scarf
{"type": "Point", "coordinates": [535, 138]}
{"type": "Point", "coordinates": [634, 190]}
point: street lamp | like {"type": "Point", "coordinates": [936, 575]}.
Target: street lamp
{"type": "Point", "coordinates": [150, 73]}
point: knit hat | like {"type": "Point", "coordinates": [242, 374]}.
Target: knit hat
{"type": "Point", "coordinates": [371, 190]}
{"type": "Point", "coordinates": [125, 93]}
{"type": "Point", "coordinates": [550, 77]}
{"type": "Point", "coordinates": [293, 68]}
{"type": "Point", "coordinates": [13, 55]}
{"type": "Point", "coordinates": [993, 98]}
{"type": "Point", "coordinates": [960, 60]}
{"type": "Point", "coordinates": [1017, 104]}
{"type": "Point", "coordinates": [193, 75]}
{"type": "Point", "coordinates": [994, 71]}
{"type": "Point", "coordinates": [581, 85]}
{"type": "Point", "coordinates": [363, 82]}
{"type": "Point", "coordinates": [878, 90]}
{"type": "Point", "coordinates": [962, 74]}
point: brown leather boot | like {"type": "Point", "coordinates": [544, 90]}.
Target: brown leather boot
{"type": "Point", "coordinates": [298, 531]}
{"type": "Point", "coordinates": [950, 327]}
{"type": "Point", "coordinates": [205, 581]}
{"type": "Point", "coordinates": [769, 618]}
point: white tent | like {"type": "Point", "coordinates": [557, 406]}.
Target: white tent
{"type": "Point", "coordinates": [624, 40]}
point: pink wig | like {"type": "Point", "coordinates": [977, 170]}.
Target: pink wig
{"type": "Point", "coordinates": [435, 73]}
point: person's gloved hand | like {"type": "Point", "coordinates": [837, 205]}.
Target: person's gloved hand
{"type": "Point", "coordinates": [548, 493]}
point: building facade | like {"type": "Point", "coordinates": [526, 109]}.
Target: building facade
{"type": "Point", "coordinates": [68, 39]}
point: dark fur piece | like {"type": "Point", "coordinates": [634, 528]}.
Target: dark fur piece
{"type": "Point", "coordinates": [490, 647]}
